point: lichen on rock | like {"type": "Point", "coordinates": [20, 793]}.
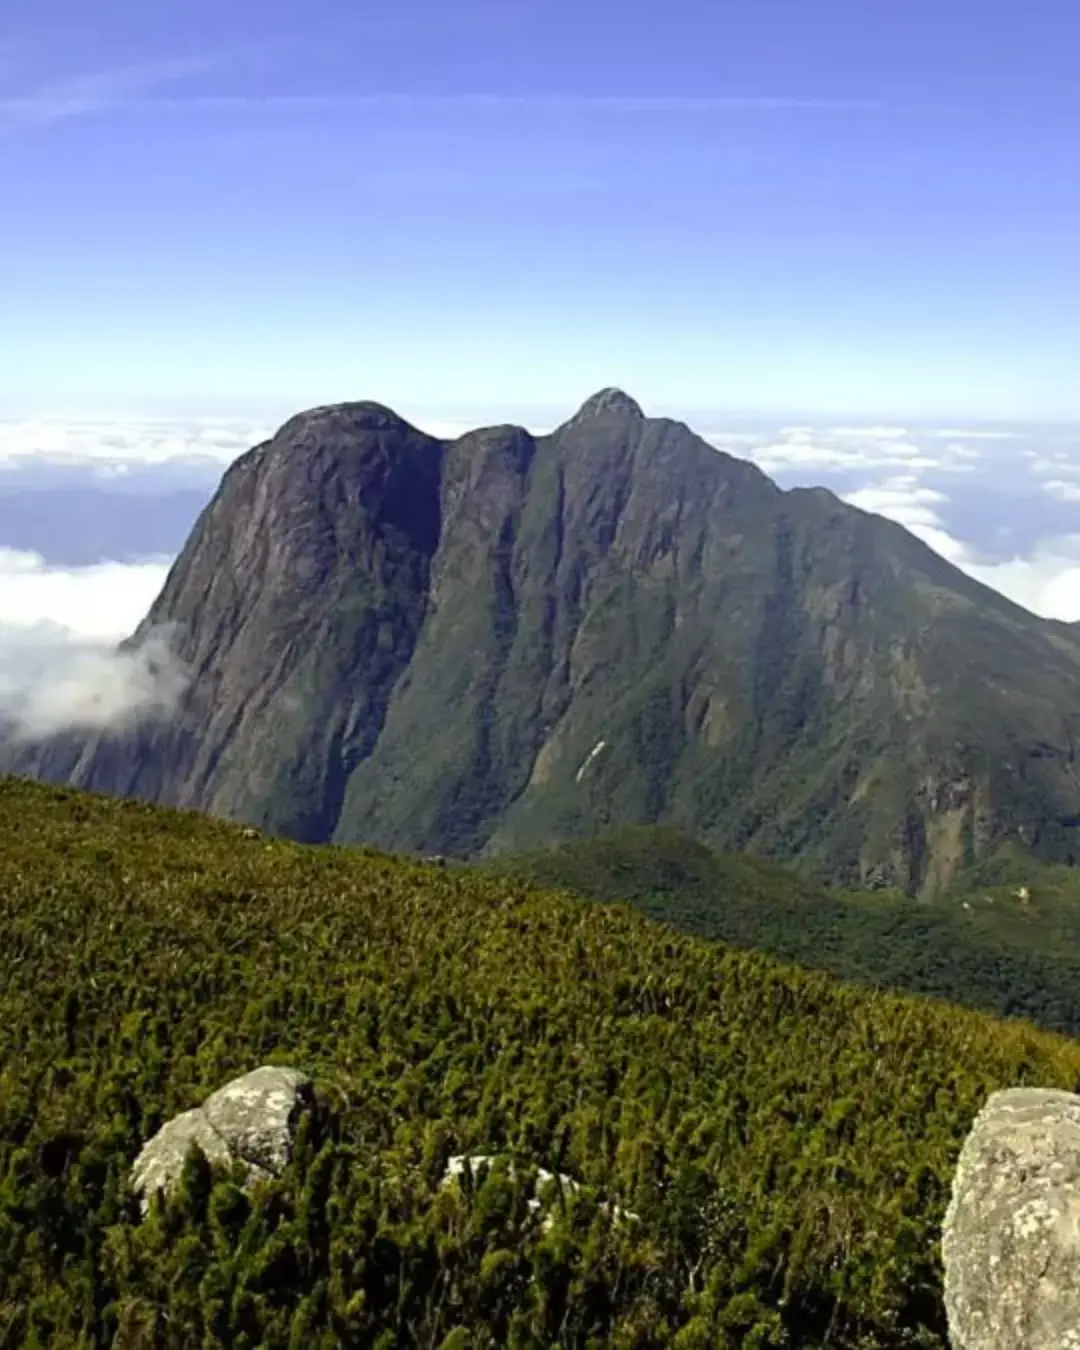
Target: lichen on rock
{"type": "Point", "coordinates": [1011, 1237]}
{"type": "Point", "coordinates": [251, 1120]}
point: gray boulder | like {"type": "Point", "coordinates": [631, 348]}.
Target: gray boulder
{"type": "Point", "coordinates": [252, 1120]}
{"type": "Point", "coordinates": [161, 1161]}
{"type": "Point", "coordinates": [1011, 1237]}
{"type": "Point", "coordinates": [257, 1115]}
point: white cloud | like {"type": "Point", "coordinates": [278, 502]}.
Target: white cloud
{"type": "Point", "coordinates": [1064, 492]}
{"type": "Point", "coordinates": [1047, 582]}
{"type": "Point", "coordinates": [59, 667]}
{"type": "Point", "coordinates": [902, 492]}
{"type": "Point", "coordinates": [973, 434]}
{"type": "Point", "coordinates": [903, 500]}
{"type": "Point", "coordinates": [725, 438]}
{"type": "Point", "coordinates": [50, 683]}
{"type": "Point", "coordinates": [801, 448]}
{"type": "Point", "coordinates": [826, 450]}
{"type": "Point", "coordinates": [870, 433]}
{"type": "Point", "coordinates": [103, 603]}
{"type": "Point", "coordinates": [131, 90]}
{"type": "Point", "coordinates": [79, 95]}
{"type": "Point", "coordinates": [112, 446]}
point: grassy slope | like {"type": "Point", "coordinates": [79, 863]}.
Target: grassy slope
{"type": "Point", "coordinates": [786, 1140]}
{"type": "Point", "coordinates": [979, 945]}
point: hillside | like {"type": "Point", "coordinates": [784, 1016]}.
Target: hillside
{"type": "Point", "coordinates": [488, 644]}
{"type": "Point", "coordinates": [1005, 938]}
{"type": "Point", "coordinates": [785, 1141]}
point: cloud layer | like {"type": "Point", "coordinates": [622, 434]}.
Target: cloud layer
{"type": "Point", "coordinates": [997, 502]}
{"type": "Point", "coordinates": [113, 447]}
{"type": "Point", "coordinates": [1047, 581]}
{"type": "Point", "coordinates": [51, 683]}
{"type": "Point", "coordinates": [59, 665]}
{"type": "Point", "coordinates": [817, 450]}
{"type": "Point", "coordinates": [103, 603]}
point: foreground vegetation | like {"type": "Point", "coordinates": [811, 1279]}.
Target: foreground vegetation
{"type": "Point", "coordinates": [1006, 940]}
{"type": "Point", "coordinates": [785, 1141]}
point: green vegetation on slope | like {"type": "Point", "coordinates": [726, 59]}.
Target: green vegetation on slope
{"type": "Point", "coordinates": [786, 1141]}
{"type": "Point", "coordinates": [982, 945]}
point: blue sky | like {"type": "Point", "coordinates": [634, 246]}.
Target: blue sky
{"type": "Point", "coordinates": [789, 205]}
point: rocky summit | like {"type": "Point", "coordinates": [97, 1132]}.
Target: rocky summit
{"type": "Point", "coordinates": [470, 646]}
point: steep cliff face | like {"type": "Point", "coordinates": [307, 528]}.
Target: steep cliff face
{"type": "Point", "coordinates": [295, 606]}
{"type": "Point", "coordinates": [493, 642]}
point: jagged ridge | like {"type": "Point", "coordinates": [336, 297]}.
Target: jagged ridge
{"type": "Point", "coordinates": [488, 643]}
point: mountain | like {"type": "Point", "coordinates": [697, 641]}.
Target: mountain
{"type": "Point", "coordinates": [490, 643]}
{"type": "Point", "coordinates": [784, 1142]}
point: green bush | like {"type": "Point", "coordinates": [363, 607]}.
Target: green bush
{"type": "Point", "coordinates": [785, 1142]}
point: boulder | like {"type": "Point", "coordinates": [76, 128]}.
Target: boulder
{"type": "Point", "coordinates": [1011, 1237]}
{"type": "Point", "coordinates": [257, 1115]}
{"type": "Point", "coordinates": [161, 1160]}
{"type": "Point", "coordinates": [251, 1120]}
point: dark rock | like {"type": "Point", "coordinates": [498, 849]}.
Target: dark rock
{"type": "Point", "coordinates": [610, 403]}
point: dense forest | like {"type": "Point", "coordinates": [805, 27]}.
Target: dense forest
{"type": "Point", "coordinates": [780, 1143]}
{"type": "Point", "coordinates": [1004, 939]}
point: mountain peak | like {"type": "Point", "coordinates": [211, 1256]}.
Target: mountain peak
{"type": "Point", "coordinates": [363, 415]}
{"type": "Point", "coordinates": [610, 403]}
{"type": "Point", "coordinates": [473, 646]}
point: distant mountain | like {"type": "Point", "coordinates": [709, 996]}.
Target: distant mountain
{"type": "Point", "coordinates": [486, 644]}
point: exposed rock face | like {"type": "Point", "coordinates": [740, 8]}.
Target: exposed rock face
{"type": "Point", "coordinates": [491, 643]}
{"type": "Point", "coordinates": [251, 1120]}
{"type": "Point", "coordinates": [1011, 1239]}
